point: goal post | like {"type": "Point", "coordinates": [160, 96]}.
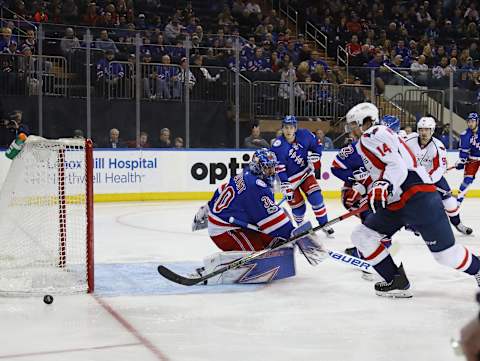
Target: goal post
{"type": "Point", "coordinates": [46, 219]}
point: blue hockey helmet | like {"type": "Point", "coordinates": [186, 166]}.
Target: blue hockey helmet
{"type": "Point", "coordinates": [473, 116]}
{"type": "Point", "coordinates": [392, 122]}
{"type": "Point", "coordinates": [290, 120]}
{"type": "Point", "coordinates": [263, 165]}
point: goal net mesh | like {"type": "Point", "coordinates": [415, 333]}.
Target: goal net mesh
{"type": "Point", "coordinates": [43, 219]}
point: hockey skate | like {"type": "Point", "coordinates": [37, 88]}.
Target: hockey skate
{"type": "Point", "coordinates": [399, 287]}
{"type": "Point", "coordinates": [353, 251]}
{"type": "Point", "coordinates": [464, 229]}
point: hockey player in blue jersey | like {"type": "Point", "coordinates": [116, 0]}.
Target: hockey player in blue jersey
{"type": "Point", "coordinates": [248, 197]}
{"type": "Point", "coordinates": [469, 154]}
{"type": "Point", "coordinates": [402, 192]}
{"type": "Point", "coordinates": [296, 172]}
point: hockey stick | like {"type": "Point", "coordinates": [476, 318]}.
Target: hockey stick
{"type": "Point", "coordinates": [337, 256]}
{"type": "Point", "coordinates": [190, 281]}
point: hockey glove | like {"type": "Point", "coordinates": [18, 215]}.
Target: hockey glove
{"type": "Point", "coordinates": [314, 159]}
{"type": "Point", "coordinates": [460, 164]}
{"type": "Point", "coordinates": [287, 191]}
{"type": "Point", "coordinates": [200, 221]}
{"type": "Point", "coordinates": [378, 194]}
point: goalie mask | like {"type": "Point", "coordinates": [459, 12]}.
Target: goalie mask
{"type": "Point", "coordinates": [263, 165]}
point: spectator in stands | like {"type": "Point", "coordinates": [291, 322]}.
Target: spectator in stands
{"type": "Point", "coordinates": [172, 30]}
{"type": "Point", "coordinates": [445, 137]}
{"type": "Point", "coordinates": [28, 71]}
{"type": "Point", "coordinates": [164, 140]}
{"type": "Point", "coordinates": [105, 43]}
{"type": "Point", "coordinates": [315, 60]}
{"type": "Point", "coordinates": [336, 75]}
{"type": "Point", "coordinates": [441, 73]}
{"type": "Point", "coordinates": [352, 95]}
{"type": "Point", "coordinates": [69, 11]}
{"type": "Point", "coordinates": [91, 18]}
{"type": "Point", "coordinates": [109, 73]}
{"type": "Point", "coordinates": [41, 15]}
{"type": "Point", "coordinates": [167, 75]}
{"type": "Point", "coordinates": [185, 75]}
{"type": "Point", "coordinates": [30, 41]}
{"type": "Point", "coordinates": [288, 72]}
{"type": "Point", "coordinates": [78, 134]}
{"type": "Point", "coordinates": [254, 140]}
{"type": "Point", "coordinates": [150, 77]}
{"type": "Point", "coordinates": [252, 7]}
{"type": "Point", "coordinates": [178, 143]}
{"type": "Point", "coordinates": [354, 50]}
{"type": "Point", "coordinates": [326, 141]}
{"type": "Point", "coordinates": [6, 39]}
{"type": "Point", "coordinates": [69, 42]}
{"type": "Point", "coordinates": [419, 70]}
{"type": "Point", "coordinates": [206, 86]}
{"type": "Point", "coordinates": [408, 130]}
{"type": "Point", "coordinates": [113, 141]}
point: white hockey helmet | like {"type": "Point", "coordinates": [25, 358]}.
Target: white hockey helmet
{"type": "Point", "coordinates": [426, 123]}
{"type": "Point", "coordinates": [359, 113]}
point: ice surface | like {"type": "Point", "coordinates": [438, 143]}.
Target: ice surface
{"type": "Point", "coordinates": [325, 313]}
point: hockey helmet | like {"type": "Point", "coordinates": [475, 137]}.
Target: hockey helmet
{"type": "Point", "coordinates": [290, 120]}
{"type": "Point", "coordinates": [473, 116]}
{"type": "Point", "coordinates": [263, 164]}
{"type": "Point", "coordinates": [359, 113]}
{"type": "Point", "coordinates": [391, 122]}
{"type": "Point", "coordinates": [426, 123]}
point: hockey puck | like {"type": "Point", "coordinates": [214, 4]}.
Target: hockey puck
{"type": "Point", "coordinates": [48, 299]}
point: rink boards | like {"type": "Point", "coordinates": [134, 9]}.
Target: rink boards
{"type": "Point", "coordinates": [153, 174]}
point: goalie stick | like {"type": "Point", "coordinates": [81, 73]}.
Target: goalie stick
{"type": "Point", "coordinates": [313, 255]}
{"type": "Point", "coordinates": [190, 281]}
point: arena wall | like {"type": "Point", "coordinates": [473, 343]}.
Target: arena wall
{"type": "Point", "coordinates": [147, 175]}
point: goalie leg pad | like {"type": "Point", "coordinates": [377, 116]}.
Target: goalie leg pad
{"type": "Point", "coordinates": [274, 265]}
{"type": "Point", "coordinates": [310, 245]}
{"type": "Point", "coordinates": [368, 242]}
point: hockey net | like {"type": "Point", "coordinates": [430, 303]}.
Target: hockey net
{"type": "Point", "coordinates": [46, 219]}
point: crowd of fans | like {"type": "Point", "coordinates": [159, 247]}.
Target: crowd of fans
{"type": "Point", "coordinates": [424, 41]}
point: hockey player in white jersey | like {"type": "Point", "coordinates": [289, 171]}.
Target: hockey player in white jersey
{"type": "Point", "coordinates": [432, 155]}
{"type": "Point", "coordinates": [401, 193]}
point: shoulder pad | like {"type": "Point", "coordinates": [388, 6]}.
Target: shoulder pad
{"type": "Point", "coordinates": [464, 132]}
{"type": "Point", "coordinates": [277, 142]}
{"type": "Point", "coordinates": [261, 183]}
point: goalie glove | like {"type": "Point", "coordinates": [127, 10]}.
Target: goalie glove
{"type": "Point", "coordinates": [200, 221]}
{"type": "Point", "coordinates": [287, 191]}
{"type": "Point", "coordinates": [460, 164]}
{"type": "Point", "coordinates": [378, 194]}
